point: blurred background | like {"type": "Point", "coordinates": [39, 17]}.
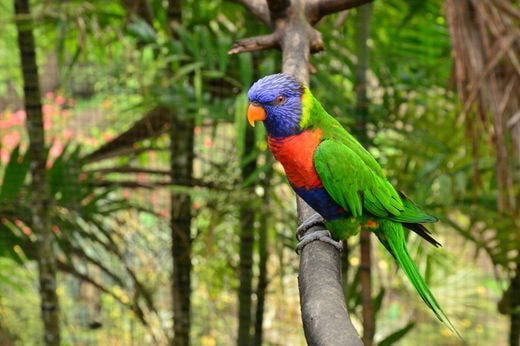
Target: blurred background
{"type": "Point", "coordinates": [148, 190]}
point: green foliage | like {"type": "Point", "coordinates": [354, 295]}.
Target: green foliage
{"type": "Point", "coordinates": [393, 338]}
{"type": "Point", "coordinates": [14, 176]}
{"type": "Point", "coordinates": [117, 66]}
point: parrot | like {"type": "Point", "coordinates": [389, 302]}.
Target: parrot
{"type": "Point", "coordinates": [336, 176]}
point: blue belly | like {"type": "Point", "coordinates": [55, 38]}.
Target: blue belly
{"type": "Point", "coordinates": [319, 199]}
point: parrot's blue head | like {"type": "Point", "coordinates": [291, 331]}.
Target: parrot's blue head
{"type": "Point", "coordinates": [277, 101]}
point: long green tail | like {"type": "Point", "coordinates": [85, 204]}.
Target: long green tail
{"type": "Point", "coordinates": [391, 234]}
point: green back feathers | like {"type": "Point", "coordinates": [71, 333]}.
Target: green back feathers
{"type": "Point", "coordinates": [355, 181]}
{"type": "Point", "coordinates": [349, 173]}
{"type": "Point", "coordinates": [352, 184]}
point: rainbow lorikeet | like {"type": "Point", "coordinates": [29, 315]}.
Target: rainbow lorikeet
{"type": "Point", "coordinates": [329, 169]}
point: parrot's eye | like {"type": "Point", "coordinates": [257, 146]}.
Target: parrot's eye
{"type": "Point", "coordinates": [279, 100]}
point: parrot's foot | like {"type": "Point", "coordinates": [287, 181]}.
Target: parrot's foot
{"type": "Point", "coordinates": [322, 235]}
{"type": "Point", "coordinates": [315, 220]}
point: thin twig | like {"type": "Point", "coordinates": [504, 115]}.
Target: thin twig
{"type": "Point", "coordinates": [321, 8]}
{"type": "Point", "coordinates": [254, 44]}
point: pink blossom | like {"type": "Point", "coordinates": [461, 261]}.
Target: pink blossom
{"type": "Point", "coordinates": [67, 134]}
{"type": "Point", "coordinates": [4, 155]}
{"type": "Point", "coordinates": [208, 143]}
{"type": "Point", "coordinates": [49, 95]}
{"type": "Point", "coordinates": [19, 117]}
{"type": "Point", "coordinates": [60, 100]}
{"type": "Point", "coordinates": [142, 178]}
{"type": "Point", "coordinates": [47, 109]}
{"type": "Point", "coordinates": [108, 136]}
{"type": "Point", "coordinates": [26, 230]}
{"type": "Point", "coordinates": [47, 123]}
{"type": "Point", "coordinates": [7, 120]}
{"type": "Point", "coordinates": [56, 149]}
{"type": "Point", "coordinates": [5, 124]}
{"type": "Point", "coordinates": [91, 141]}
{"type": "Point", "coordinates": [11, 139]}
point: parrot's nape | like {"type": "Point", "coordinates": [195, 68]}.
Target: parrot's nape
{"type": "Point", "coordinates": [329, 169]}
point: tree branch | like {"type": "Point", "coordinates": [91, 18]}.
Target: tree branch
{"type": "Point", "coordinates": [151, 125]}
{"type": "Point", "coordinates": [130, 170]}
{"type": "Point", "coordinates": [70, 269]}
{"type": "Point", "coordinates": [321, 8]}
{"type": "Point", "coordinates": [278, 8]}
{"type": "Point", "coordinates": [258, 8]}
{"type": "Point", "coordinates": [254, 43]}
{"type": "Point", "coordinates": [130, 184]}
{"type": "Point", "coordinates": [325, 317]}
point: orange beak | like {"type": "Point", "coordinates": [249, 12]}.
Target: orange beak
{"type": "Point", "coordinates": [255, 113]}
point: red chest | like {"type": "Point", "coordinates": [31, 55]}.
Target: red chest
{"type": "Point", "coordinates": [296, 153]}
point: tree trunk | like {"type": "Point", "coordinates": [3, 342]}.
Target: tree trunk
{"type": "Point", "coordinates": [182, 141]}
{"type": "Point", "coordinates": [41, 202]}
{"type": "Point", "coordinates": [369, 323]}
{"type": "Point", "coordinates": [247, 219]}
{"type": "Point", "coordinates": [182, 154]}
{"type": "Point", "coordinates": [514, 332]}
{"type": "Point", "coordinates": [264, 255]}
{"type": "Point", "coordinates": [362, 36]}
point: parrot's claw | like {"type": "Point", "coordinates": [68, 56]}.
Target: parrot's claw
{"type": "Point", "coordinates": [323, 236]}
{"type": "Point", "coordinates": [314, 220]}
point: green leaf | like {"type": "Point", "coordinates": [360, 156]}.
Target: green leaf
{"type": "Point", "coordinates": [354, 298]}
{"type": "Point", "coordinates": [246, 73]}
{"type": "Point", "coordinates": [141, 30]}
{"type": "Point", "coordinates": [8, 241]}
{"type": "Point", "coordinates": [240, 121]}
{"type": "Point", "coordinates": [397, 335]}
{"type": "Point", "coordinates": [14, 176]}
{"type": "Point", "coordinates": [378, 300]}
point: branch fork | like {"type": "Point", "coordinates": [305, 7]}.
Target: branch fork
{"type": "Point", "coordinates": [284, 15]}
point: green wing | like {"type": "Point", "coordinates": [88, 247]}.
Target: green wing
{"type": "Point", "coordinates": [353, 184]}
